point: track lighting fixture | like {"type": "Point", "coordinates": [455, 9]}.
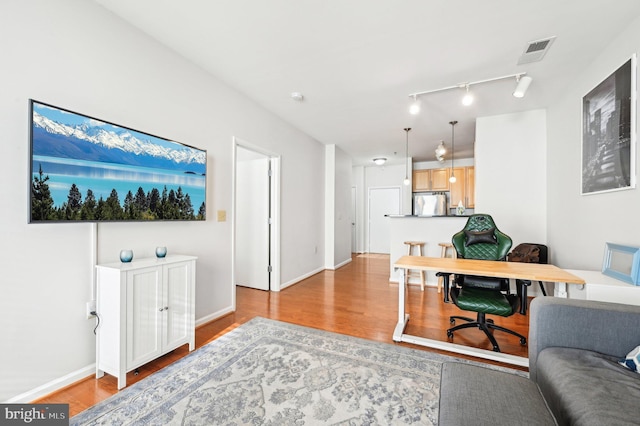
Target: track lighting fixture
{"type": "Point", "coordinates": [522, 86]}
{"type": "Point", "coordinates": [379, 161]}
{"type": "Point", "coordinates": [467, 99]}
{"type": "Point", "coordinates": [522, 80]}
{"type": "Point", "coordinates": [414, 108]}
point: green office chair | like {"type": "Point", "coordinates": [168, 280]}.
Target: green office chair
{"type": "Point", "coordinates": [481, 239]}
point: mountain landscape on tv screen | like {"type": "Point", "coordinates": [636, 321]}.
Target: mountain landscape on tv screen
{"type": "Point", "coordinates": [118, 145]}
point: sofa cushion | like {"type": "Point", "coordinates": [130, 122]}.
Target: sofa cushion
{"type": "Point", "coordinates": [588, 388]}
{"type": "Point", "coordinates": [472, 395]}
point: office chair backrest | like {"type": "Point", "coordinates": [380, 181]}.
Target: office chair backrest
{"type": "Point", "coordinates": [481, 239]}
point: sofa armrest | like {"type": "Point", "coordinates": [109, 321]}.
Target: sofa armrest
{"type": "Point", "coordinates": [607, 328]}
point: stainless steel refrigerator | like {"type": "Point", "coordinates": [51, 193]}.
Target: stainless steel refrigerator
{"type": "Point", "coordinates": [429, 204]}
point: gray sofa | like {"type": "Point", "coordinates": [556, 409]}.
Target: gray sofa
{"type": "Point", "coordinates": [574, 377]}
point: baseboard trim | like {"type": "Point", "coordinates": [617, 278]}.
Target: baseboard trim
{"type": "Point", "coordinates": [297, 280]}
{"type": "Point", "coordinates": [340, 265]}
{"type": "Point", "coordinates": [53, 386]}
{"type": "Point", "coordinates": [214, 316]}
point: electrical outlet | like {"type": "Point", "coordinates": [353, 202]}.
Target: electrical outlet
{"type": "Point", "coordinates": [91, 307]}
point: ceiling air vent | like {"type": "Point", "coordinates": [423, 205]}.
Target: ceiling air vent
{"type": "Point", "coordinates": [534, 51]}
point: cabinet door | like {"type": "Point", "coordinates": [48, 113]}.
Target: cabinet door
{"type": "Point", "coordinates": [471, 188]}
{"type": "Point", "coordinates": [457, 189]}
{"type": "Point", "coordinates": [144, 300]}
{"type": "Point", "coordinates": [440, 179]}
{"type": "Point", "coordinates": [421, 180]}
{"type": "Point", "coordinates": [177, 305]}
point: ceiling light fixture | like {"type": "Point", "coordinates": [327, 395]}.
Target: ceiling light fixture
{"type": "Point", "coordinates": [406, 160]}
{"type": "Point", "coordinates": [452, 179]}
{"type": "Point", "coordinates": [467, 99]}
{"type": "Point", "coordinates": [380, 161]}
{"type": "Point", "coordinates": [297, 96]}
{"type": "Point", "coordinates": [414, 108]}
{"type": "Point", "coordinates": [522, 79]}
{"type": "Point", "coordinates": [522, 86]}
{"type": "Point", "coordinates": [440, 152]}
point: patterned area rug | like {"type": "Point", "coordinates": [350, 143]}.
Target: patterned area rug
{"type": "Point", "coordinates": [267, 372]}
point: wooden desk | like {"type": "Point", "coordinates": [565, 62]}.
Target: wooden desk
{"type": "Point", "coordinates": [486, 268]}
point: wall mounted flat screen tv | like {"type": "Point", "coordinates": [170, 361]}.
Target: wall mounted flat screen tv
{"type": "Point", "coordinates": [84, 169]}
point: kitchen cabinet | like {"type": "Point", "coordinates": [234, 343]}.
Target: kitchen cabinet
{"type": "Point", "coordinates": [464, 187]}
{"type": "Point", "coordinates": [470, 189]}
{"type": "Point", "coordinates": [146, 309]}
{"type": "Point", "coordinates": [431, 180]}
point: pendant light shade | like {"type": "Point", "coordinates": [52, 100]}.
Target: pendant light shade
{"type": "Point", "coordinates": [440, 152]}
{"type": "Point", "coordinates": [452, 179]}
{"type": "Point", "coordinates": [406, 158]}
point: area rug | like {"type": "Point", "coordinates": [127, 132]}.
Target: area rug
{"type": "Point", "coordinates": [268, 372]}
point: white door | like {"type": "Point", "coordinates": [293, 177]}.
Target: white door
{"type": "Point", "coordinates": [382, 201]}
{"type": "Point", "coordinates": [252, 219]}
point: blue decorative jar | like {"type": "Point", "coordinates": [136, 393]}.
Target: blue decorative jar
{"type": "Point", "coordinates": [126, 256]}
{"type": "Point", "coordinates": [161, 252]}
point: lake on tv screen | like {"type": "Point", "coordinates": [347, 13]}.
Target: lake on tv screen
{"type": "Point", "coordinates": [102, 178]}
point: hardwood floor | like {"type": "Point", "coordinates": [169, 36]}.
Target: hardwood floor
{"type": "Point", "coordinates": [356, 300]}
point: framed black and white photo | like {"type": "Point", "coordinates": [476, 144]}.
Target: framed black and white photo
{"type": "Point", "coordinates": [608, 132]}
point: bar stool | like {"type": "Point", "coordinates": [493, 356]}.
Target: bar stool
{"type": "Point", "coordinates": [443, 253]}
{"type": "Point", "coordinates": [410, 246]}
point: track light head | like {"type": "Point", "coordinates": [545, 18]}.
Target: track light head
{"type": "Point", "coordinates": [414, 108]}
{"type": "Point", "coordinates": [522, 86]}
{"type": "Point", "coordinates": [467, 99]}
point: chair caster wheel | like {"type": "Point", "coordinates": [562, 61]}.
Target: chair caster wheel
{"type": "Point", "coordinates": [452, 321]}
{"type": "Point", "coordinates": [523, 341]}
{"type": "Point", "coordinates": [450, 334]}
{"type": "Point", "coordinates": [496, 349]}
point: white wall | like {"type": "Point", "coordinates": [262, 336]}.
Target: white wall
{"type": "Point", "coordinates": [76, 55]}
{"type": "Point", "coordinates": [579, 226]}
{"type": "Point", "coordinates": [342, 225]}
{"type": "Point", "coordinates": [510, 174]}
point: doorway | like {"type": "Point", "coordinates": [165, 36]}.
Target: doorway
{"type": "Point", "coordinates": [382, 202]}
{"type": "Point", "coordinates": [256, 218]}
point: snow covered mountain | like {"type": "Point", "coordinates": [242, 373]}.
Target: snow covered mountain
{"type": "Point", "coordinates": [106, 144]}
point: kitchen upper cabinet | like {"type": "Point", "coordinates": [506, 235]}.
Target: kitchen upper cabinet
{"type": "Point", "coordinates": [464, 187]}
{"type": "Point", "coordinates": [431, 180]}
{"type": "Point", "coordinates": [471, 188]}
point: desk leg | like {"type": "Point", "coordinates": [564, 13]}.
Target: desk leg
{"type": "Point", "coordinates": [402, 316]}
{"type": "Point", "coordinates": [445, 285]}
{"type": "Point", "coordinates": [560, 290]}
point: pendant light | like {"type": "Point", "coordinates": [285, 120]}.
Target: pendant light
{"type": "Point", "coordinates": [406, 159]}
{"type": "Point", "coordinates": [452, 179]}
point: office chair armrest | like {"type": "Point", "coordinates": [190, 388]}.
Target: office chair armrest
{"type": "Point", "coordinates": [607, 328]}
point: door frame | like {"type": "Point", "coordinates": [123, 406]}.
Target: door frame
{"type": "Point", "coordinates": [274, 204]}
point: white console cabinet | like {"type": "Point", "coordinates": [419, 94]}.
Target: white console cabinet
{"type": "Point", "coordinates": [606, 289]}
{"type": "Point", "coordinates": [146, 309]}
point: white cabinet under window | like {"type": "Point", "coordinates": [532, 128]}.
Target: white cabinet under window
{"type": "Point", "coordinates": [146, 309]}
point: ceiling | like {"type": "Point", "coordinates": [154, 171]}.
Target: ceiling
{"type": "Point", "coordinates": [357, 61]}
